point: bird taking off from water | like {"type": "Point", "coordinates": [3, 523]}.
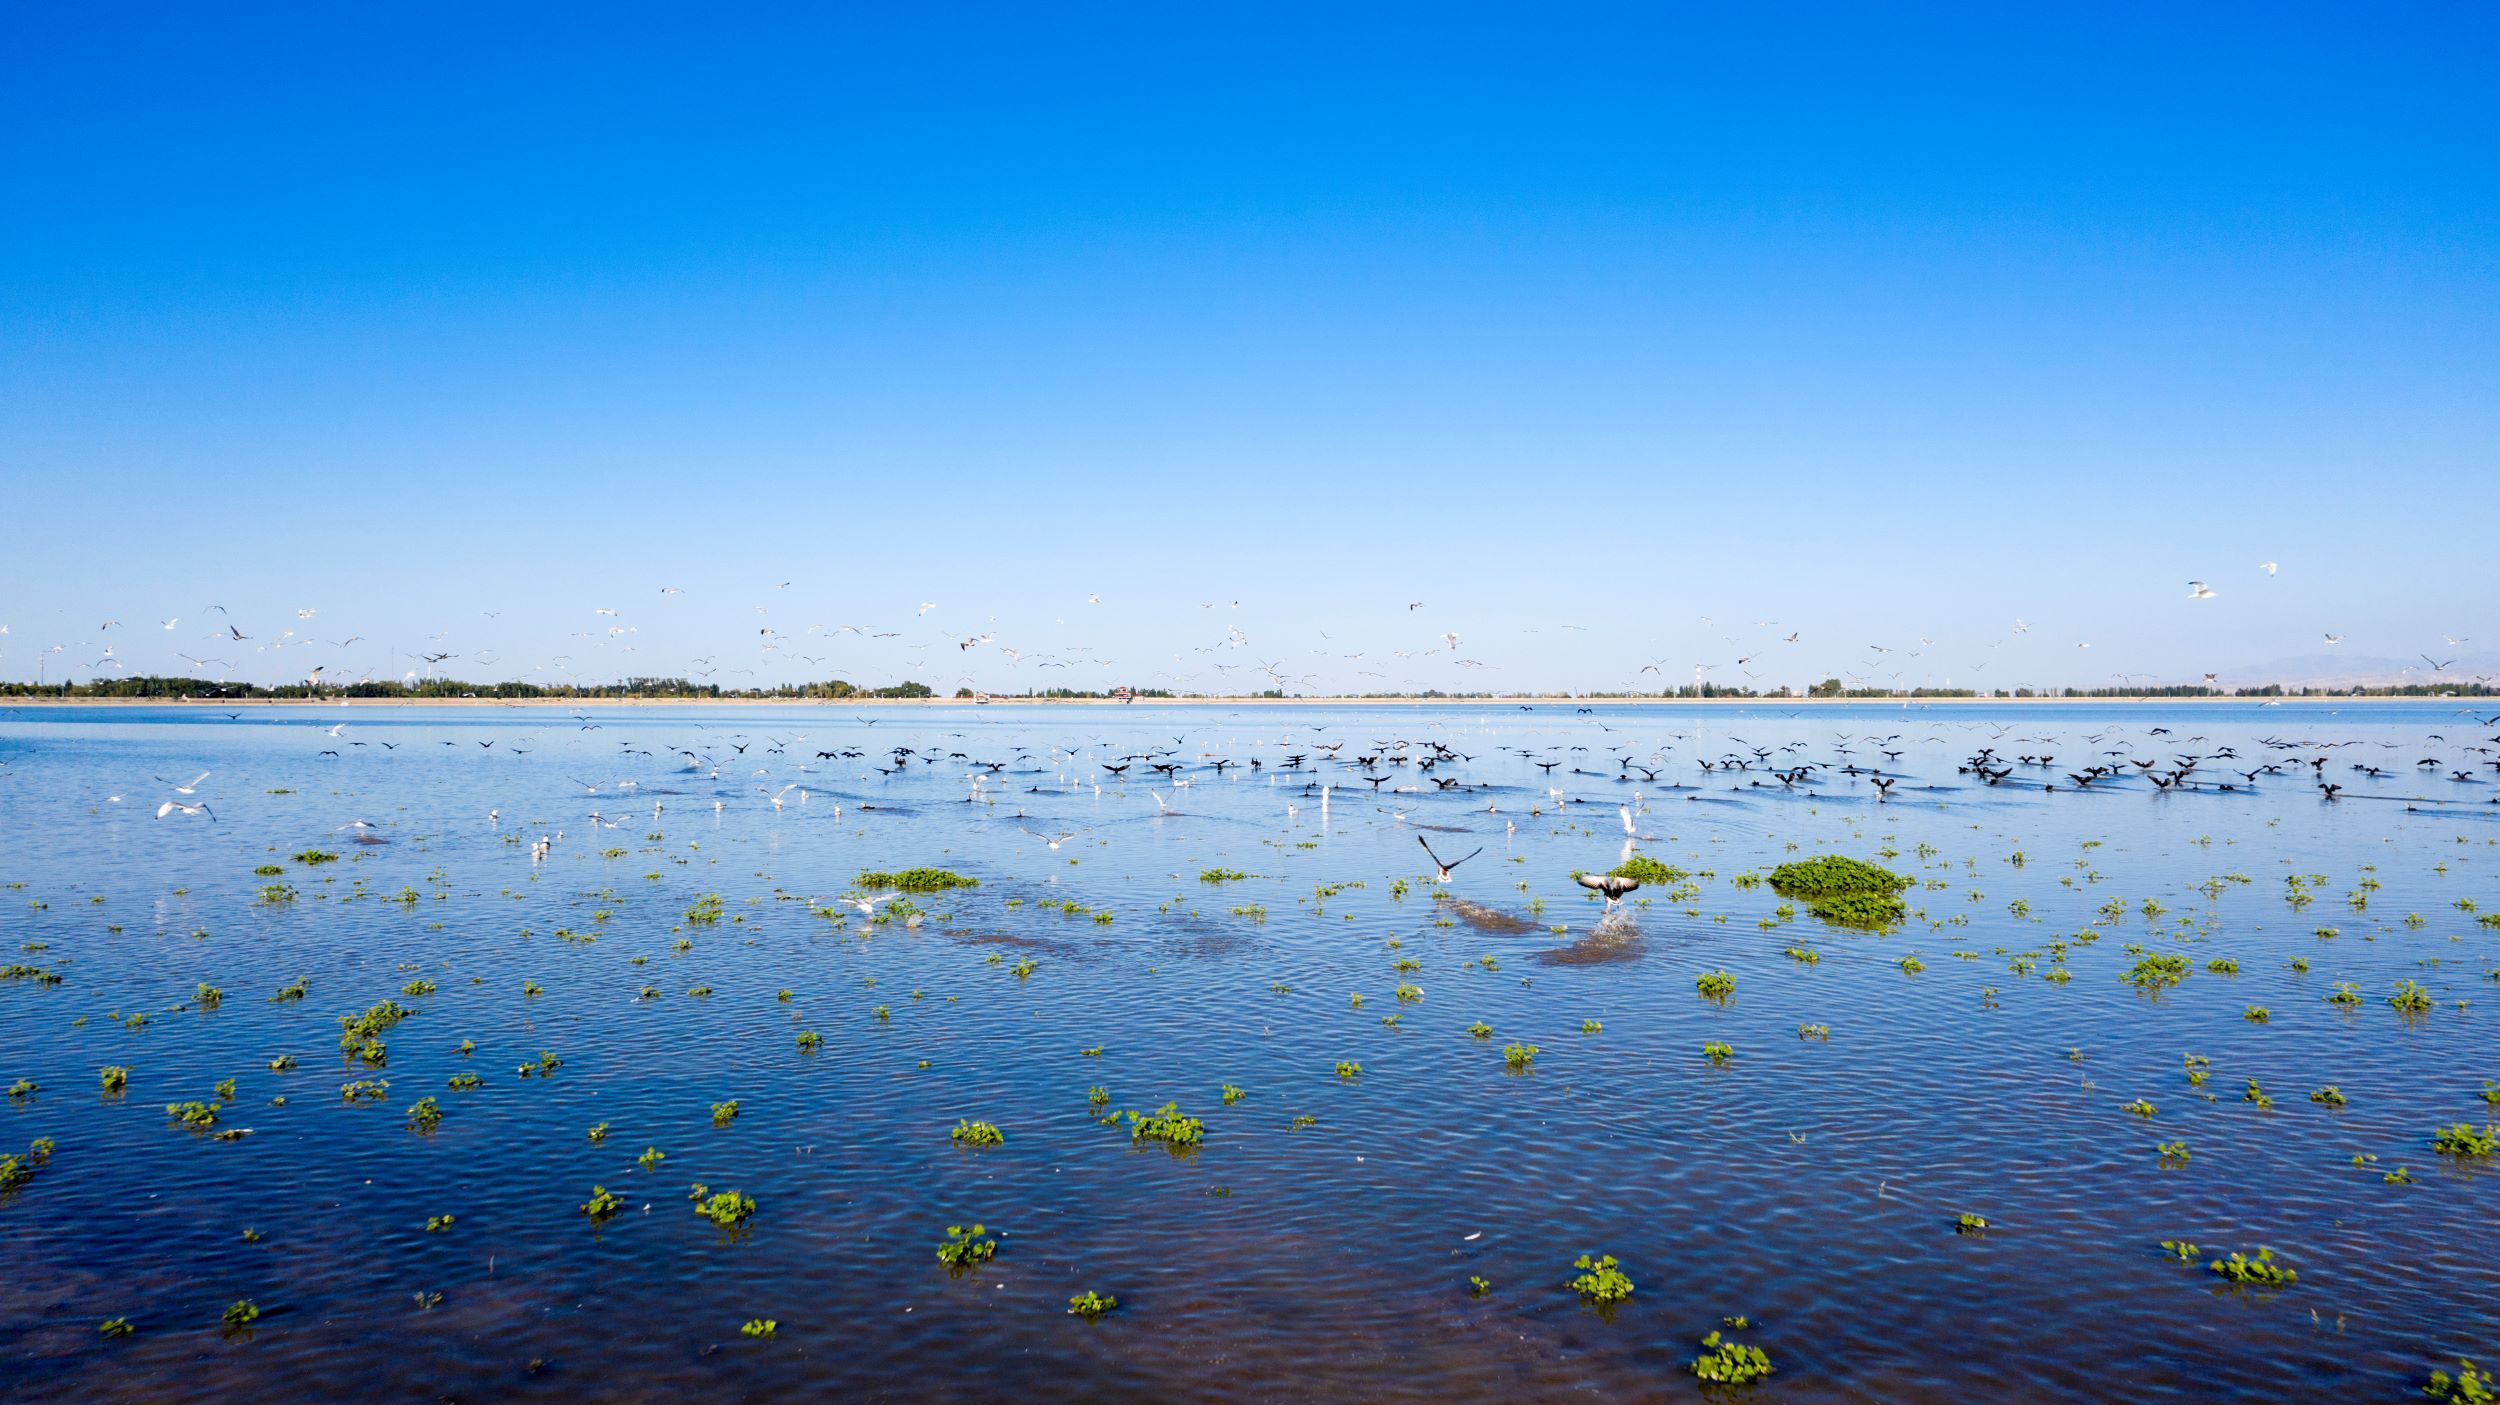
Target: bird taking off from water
{"type": "Point", "coordinates": [1441, 872]}
{"type": "Point", "coordinates": [1614, 886]}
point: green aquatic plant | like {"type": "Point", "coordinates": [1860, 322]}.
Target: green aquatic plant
{"type": "Point", "coordinates": [724, 1113]}
{"type": "Point", "coordinates": [728, 1209]}
{"type": "Point", "coordinates": [1168, 1125]}
{"type": "Point", "coordinates": [810, 1041]}
{"type": "Point", "coordinates": [314, 858]}
{"type": "Point", "coordinates": [1519, 1058]}
{"type": "Point", "coordinates": [1715, 985]}
{"type": "Point", "coordinates": [760, 1327]}
{"type": "Point", "coordinates": [2410, 998]}
{"type": "Point", "coordinates": [240, 1314]}
{"type": "Point", "coordinates": [208, 997]}
{"type": "Point", "coordinates": [1911, 965]}
{"type": "Point", "coordinates": [2261, 1271]}
{"type": "Point", "coordinates": [116, 1327]}
{"type": "Point", "coordinates": [1348, 1069]}
{"type": "Point", "coordinates": [437, 1224]}
{"type": "Point", "coordinates": [1600, 1280]}
{"type": "Point", "coordinates": [1969, 1224]}
{"type": "Point", "coordinates": [1821, 1033]}
{"type": "Point", "coordinates": [2328, 1096]}
{"type": "Point", "coordinates": [2469, 1386]}
{"type": "Point", "coordinates": [1717, 1053]}
{"type": "Point", "coordinates": [915, 880]}
{"type": "Point", "coordinates": [2256, 1095]}
{"type": "Point", "coordinates": [1478, 1286]}
{"type": "Point", "coordinates": [2257, 1014]}
{"type": "Point", "coordinates": [1843, 891]}
{"type": "Point", "coordinates": [2157, 971]}
{"type": "Point", "coordinates": [651, 1155]}
{"type": "Point", "coordinates": [965, 1247]}
{"type": "Point", "coordinates": [2172, 1153]}
{"type": "Point", "coordinates": [1222, 875]}
{"type": "Point", "coordinates": [1648, 871]}
{"type": "Point", "coordinates": [2140, 1107]}
{"type": "Point", "coordinates": [1232, 1095]}
{"type": "Point", "coordinates": [424, 1115]}
{"type": "Point", "coordinates": [2466, 1144]}
{"type": "Point", "coordinates": [24, 1088]}
{"type": "Point", "coordinates": [114, 1077]}
{"type": "Point", "coordinates": [195, 1115]}
{"type": "Point", "coordinates": [601, 1204]}
{"type": "Point", "coordinates": [976, 1134]}
{"type": "Point", "coordinates": [2182, 1250]}
{"type": "Point", "coordinates": [1729, 1362]}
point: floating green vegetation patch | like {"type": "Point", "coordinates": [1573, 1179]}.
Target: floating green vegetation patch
{"type": "Point", "coordinates": [2261, 1271]}
{"type": "Point", "coordinates": [1843, 891]}
{"type": "Point", "coordinates": [729, 1209]}
{"type": "Point", "coordinates": [2471, 1386]}
{"type": "Point", "coordinates": [1649, 871]}
{"type": "Point", "coordinates": [1601, 1279]}
{"type": "Point", "coordinates": [977, 1134]}
{"type": "Point", "coordinates": [1166, 1124]}
{"type": "Point", "coordinates": [1090, 1304]}
{"type": "Point", "coordinates": [965, 1247]}
{"type": "Point", "coordinates": [2157, 971]}
{"type": "Point", "coordinates": [2464, 1142]}
{"type": "Point", "coordinates": [313, 857]}
{"type": "Point", "coordinates": [1727, 1362]}
{"type": "Point", "coordinates": [1222, 875]}
{"type": "Point", "coordinates": [917, 880]}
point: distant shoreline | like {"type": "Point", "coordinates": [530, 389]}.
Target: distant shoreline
{"type": "Point", "coordinates": [1508, 700]}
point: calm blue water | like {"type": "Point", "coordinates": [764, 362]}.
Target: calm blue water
{"type": "Point", "coordinates": [1811, 1185]}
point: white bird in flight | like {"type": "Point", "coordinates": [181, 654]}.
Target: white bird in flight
{"type": "Point", "coordinates": [184, 789]}
{"type": "Point", "coordinates": [171, 806]}
{"type": "Point", "coordinates": [2198, 590]}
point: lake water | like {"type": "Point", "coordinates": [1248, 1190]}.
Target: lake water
{"type": "Point", "coordinates": [1319, 1244]}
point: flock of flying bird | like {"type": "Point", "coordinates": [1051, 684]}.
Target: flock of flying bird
{"type": "Point", "coordinates": [807, 653]}
{"type": "Point", "coordinates": [1430, 784]}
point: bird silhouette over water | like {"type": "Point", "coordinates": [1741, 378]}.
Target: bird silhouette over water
{"type": "Point", "coordinates": [1441, 872]}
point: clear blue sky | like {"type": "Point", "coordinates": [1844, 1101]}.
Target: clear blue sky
{"type": "Point", "coordinates": [1881, 324]}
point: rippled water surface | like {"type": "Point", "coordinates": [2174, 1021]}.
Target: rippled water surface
{"type": "Point", "coordinates": [1320, 1243]}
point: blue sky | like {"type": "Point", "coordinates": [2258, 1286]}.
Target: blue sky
{"type": "Point", "coordinates": [1882, 326]}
